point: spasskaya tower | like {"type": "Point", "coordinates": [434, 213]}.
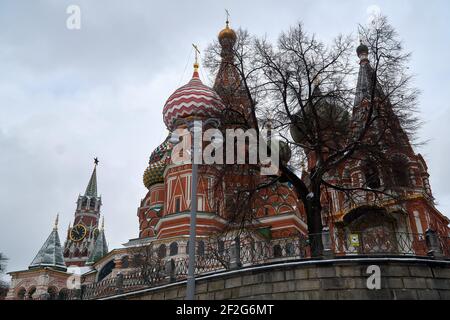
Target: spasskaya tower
{"type": "Point", "coordinates": [82, 235]}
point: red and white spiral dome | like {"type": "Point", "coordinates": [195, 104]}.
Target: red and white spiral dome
{"type": "Point", "coordinates": [194, 99]}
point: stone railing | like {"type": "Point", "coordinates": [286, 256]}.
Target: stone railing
{"type": "Point", "coordinates": [253, 253]}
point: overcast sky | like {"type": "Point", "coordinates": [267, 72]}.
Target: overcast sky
{"type": "Point", "coordinates": [69, 95]}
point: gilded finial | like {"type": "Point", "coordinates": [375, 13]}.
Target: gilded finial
{"type": "Point", "coordinates": [197, 52]}
{"type": "Point", "coordinates": [96, 161]}
{"type": "Point", "coordinates": [56, 222]}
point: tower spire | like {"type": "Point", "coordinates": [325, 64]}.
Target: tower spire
{"type": "Point", "coordinates": [50, 255]}
{"type": "Point", "coordinates": [55, 227]}
{"type": "Point", "coordinates": [91, 189]}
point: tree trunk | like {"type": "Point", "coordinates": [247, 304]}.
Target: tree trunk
{"type": "Point", "coordinates": [314, 221]}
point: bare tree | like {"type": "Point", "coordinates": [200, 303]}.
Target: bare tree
{"type": "Point", "coordinates": [306, 89]}
{"type": "Point", "coordinates": [3, 260]}
{"type": "Point", "coordinates": [3, 285]}
{"type": "Point", "coordinates": [147, 261]}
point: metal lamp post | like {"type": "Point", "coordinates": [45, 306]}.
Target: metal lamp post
{"type": "Point", "coordinates": [193, 129]}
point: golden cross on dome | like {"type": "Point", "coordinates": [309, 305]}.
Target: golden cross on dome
{"type": "Point", "coordinates": [197, 52]}
{"type": "Point", "coordinates": [228, 16]}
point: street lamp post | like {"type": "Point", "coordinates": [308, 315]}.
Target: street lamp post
{"type": "Point", "coordinates": [190, 291]}
{"type": "Point", "coordinates": [193, 129]}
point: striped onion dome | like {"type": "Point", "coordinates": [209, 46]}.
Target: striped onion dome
{"type": "Point", "coordinates": [159, 159]}
{"type": "Point", "coordinates": [191, 100]}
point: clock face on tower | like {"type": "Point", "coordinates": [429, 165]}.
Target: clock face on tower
{"type": "Point", "coordinates": [78, 232]}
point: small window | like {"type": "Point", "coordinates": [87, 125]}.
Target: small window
{"type": "Point", "coordinates": [177, 205]}
{"type": "Point", "coordinates": [31, 292]}
{"type": "Point", "coordinates": [21, 294]}
{"type": "Point", "coordinates": [92, 204]}
{"type": "Point", "coordinates": [138, 260]}
{"type": "Point", "coordinates": [266, 211]}
{"type": "Point", "coordinates": [125, 262]}
{"type": "Point", "coordinates": [63, 294]}
{"type": "Point", "coordinates": [200, 202]}
{"type": "Point", "coordinates": [400, 168]}
{"type": "Point", "coordinates": [418, 222]}
{"type": "Point", "coordinates": [371, 175]}
{"type": "Point", "coordinates": [162, 251]}
{"type": "Point", "coordinates": [52, 293]}
{"type": "Point", "coordinates": [173, 249]}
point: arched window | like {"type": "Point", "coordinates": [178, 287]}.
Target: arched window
{"type": "Point", "coordinates": [400, 176]}
{"type": "Point", "coordinates": [63, 294]}
{"type": "Point", "coordinates": [92, 203]}
{"type": "Point", "coordinates": [125, 262]}
{"type": "Point", "coordinates": [21, 293]}
{"type": "Point", "coordinates": [138, 260]}
{"type": "Point", "coordinates": [52, 293]}
{"type": "Point", "coordinates": [371, 175]}
{"type": "Point", "coordinates": [173, 249]}
{"type": "Point", "coordinates": [277, 251]}
{"type": "Point", "coordinates": [84, 203]}
{"type": "Point", "coordinates": [162, 251]}
{"type": "Point", "coordinates": [177, 205]}
{"type": "Point", "coordinates": [201, 248]}
{"type": "Point", "coordinates": [31, 293]}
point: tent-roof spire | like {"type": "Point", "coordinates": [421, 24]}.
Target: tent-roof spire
{"type": "Point", "coordinates": [51, 254]}
{"type": "Point", "coordinates": [91, 189]}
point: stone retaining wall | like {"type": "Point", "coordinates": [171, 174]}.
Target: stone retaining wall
{"type": "Point", "coordinates": [401, 278]}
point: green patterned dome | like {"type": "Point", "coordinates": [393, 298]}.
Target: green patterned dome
{"type": "Point", "coordinates": [159, 159]}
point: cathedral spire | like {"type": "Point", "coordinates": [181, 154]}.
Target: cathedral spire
{"type": "Point", "coordinates": [366, 76]}
{"type": "Point", "coordinates": [91, 189]}
{"type": "Point", "coordinates": [55, 227]}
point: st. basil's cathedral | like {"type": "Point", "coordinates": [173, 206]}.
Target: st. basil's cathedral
{"type": "Point", "coordinates": [164, 211]}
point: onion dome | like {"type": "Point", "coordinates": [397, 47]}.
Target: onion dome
{"type": "Point", "coordinates": [332, 118]}
{"type": "Point", "coordinates": [285, 152]}
{"type": "Point", "coordinates": [362, 51]}
{"type": "Point", "coordinates": [191, 100]}
{"type": "Point", "coordinates": [227, 35]}
{"type": "Point", "coordinates": [159, 159]}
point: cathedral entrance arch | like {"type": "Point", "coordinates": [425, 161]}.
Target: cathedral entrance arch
{"type": "Point", "coordinates": [106, 270]}
{"type": "Point", "coordinates": [370, 229]}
